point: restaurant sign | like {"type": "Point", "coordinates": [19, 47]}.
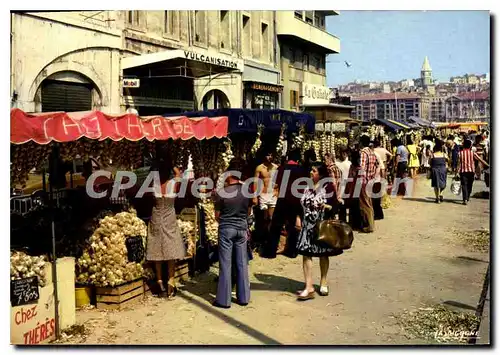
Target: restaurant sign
{"type": "Point", "coordinates": [315, 94]}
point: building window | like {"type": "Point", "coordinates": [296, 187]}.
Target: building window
{"type": "Point", "coordinates": [265, 41]}
{"type": "Point", "coordinates": [225, 29]}
{"type": "Point", "coordinates": [298, 14]}
{"type": "Point", "coordinates": [171, 22]}
{"type": "Point", "coordinates": [305, 61]}
{"type": "Point", "coordinates": [200, 35]}
{"type": "Point", "coordinates": [294, 99]}
{"type": "Point", "coordinates": [298, 58]}
{"type": "Point", "coordinates": [310, 17]}
{"type": "Point", "coordinates": [316, 63]}
{"type": "Point", "coordinates": [246, 35]}
{"type": "Point", "coordinates": [135, 18]}
{"type": "Point", "coordinates": [319, 21]}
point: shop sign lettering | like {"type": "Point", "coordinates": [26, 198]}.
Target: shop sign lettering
{"type": "Point", "coordinates": [131, 83]}
{"type": "Point", "coordinates": [41, 332]}
{"type": "Point", "coordinates": [266, 87]}
{"type": "Point", "coordinates": [205, 58]}
{"type": "Point", "coordinates": [315, 94]}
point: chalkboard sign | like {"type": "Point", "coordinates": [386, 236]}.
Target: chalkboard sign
{"type": "Point", "coordinates": [135, 249]}
{"type": "Point", "coordinates": [24, 291]}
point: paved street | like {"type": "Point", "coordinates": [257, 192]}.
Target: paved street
{"type": "Point", "coordinates": [411, 259]}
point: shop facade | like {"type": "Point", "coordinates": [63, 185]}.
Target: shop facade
{"type": "Point", "coordinates": [262, 87]}
{"type": "Point", "coordinates": [176, 81]}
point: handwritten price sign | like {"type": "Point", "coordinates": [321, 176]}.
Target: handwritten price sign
{"type": "Point", "coordinates": [24, 291]}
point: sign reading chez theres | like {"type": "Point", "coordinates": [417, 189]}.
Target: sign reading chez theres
{"type": "Point", "coordinates": [212, 59]}
{"type": "Point", "coordinates": [315, 94]}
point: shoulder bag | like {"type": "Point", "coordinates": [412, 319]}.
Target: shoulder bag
{"type": "Point", "coordinates": [334, 233]}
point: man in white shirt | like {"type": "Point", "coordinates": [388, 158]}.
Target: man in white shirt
{"type": "Point", "coordinates": [344, 165]}
{"type": "Point", "coordinates": [382, 155]}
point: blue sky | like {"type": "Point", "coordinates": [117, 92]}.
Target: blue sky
{"type": "Point", "coordinates": [391, 45]}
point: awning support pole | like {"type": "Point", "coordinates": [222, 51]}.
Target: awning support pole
{"type": "Point", "coordinates": [52, 169]}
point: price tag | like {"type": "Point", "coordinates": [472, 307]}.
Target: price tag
{"type": "Point", "coordinates": [135, 249]}
{"type": "Point", "coordinates": [24, 291]}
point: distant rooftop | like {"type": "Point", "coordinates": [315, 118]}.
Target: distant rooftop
{"type": "Point", "coordinates": [387, 96]}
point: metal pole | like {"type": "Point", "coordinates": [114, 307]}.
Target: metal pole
{"type": "Point", "coordinates": [52, 170]}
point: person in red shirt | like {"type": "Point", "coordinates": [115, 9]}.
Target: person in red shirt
{"type": "Point", "coordinates": [368, 171]}
{"type": "Point", "coordinates": [467, 168]}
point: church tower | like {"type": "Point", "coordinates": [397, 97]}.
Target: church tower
{"type": "Point", "coordinates": [426, 73]}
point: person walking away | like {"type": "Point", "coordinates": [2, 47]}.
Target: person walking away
{"type": "Point", "coordinates": [314, 204]}
{"type": "Point", "coordinates": [426, 159]}
{"type": "Point", "coordinates": [438, 171]}
{"type": "Point", "coordinates": [479, 150]}
{"type": "Point", "coordinates": [369, 165]}
{"type": "Point", "coordinates": [401, 160]}
{"type": "Point", "coordinates": [466, 168]}
{"type": "Point", "coordinates": [352, 199]}
{"type": "Point", "coordinates": [267, 198]}
{"type": "Point", "coordinates": [401, 165]}
{"type": "Point", "coordinates": [455, 150]}
{"type": "Point", "coordinates": [344, 164]}
{"type": "Point", "coordinates": [378, 212]}
{"type": "Point", "coordinates": [383, 154]}
{"type": "Point", "coordinates": [231, 211]}
{"type": "Point", "coordinates": [164, 241]}
{"type": "Point", "coordinates": [287, 208]}
{"type": "Point", "coordinates": [413, 162]}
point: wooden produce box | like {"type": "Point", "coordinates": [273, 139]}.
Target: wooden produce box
{"type": "Point", "coordinates": [182, 270]}
{"type": "Point", "coordinates": [191, 215]}
{"type": "Point", "coordinates": [119, 297]}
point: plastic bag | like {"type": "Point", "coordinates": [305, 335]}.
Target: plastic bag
{"type": "Point", "coordinates": [456, 187]}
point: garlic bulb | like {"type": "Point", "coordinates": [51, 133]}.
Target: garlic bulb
{"type": "Point", "coordinates": [211, 225]}
{"type": "Point", "coordinates": [256, 146]}
{"type": "Point", "coordinates": [281, 142]}
{"type": "Point", "coordinates": [105, 261]}
{"type": "Point", "coordinates": [23, 266]}
{"type": "Point", "coordinates": [188, 232]}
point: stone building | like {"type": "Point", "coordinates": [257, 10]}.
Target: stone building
{"type": "Point", "coordinates": [304, 45]}
{"type": "Point", "coordinates": [395, 106]}
{"type": "Point", "coordinates": [171, 61]}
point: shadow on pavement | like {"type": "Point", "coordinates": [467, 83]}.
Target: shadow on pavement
{"type": "Point", "coordinates": [277, 283]}
{"type": "Point", "coordinates": [431, 200]}
{"type": "Point", "coordinates": [459, 305]}
{"type": "Point", "coordinates": [205, 284]}
{"type": "Point", "coordinates": [231, 321]}
{"type": "Point", "coordinates": [472, 259]}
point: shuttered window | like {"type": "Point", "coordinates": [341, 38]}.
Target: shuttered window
{"type": "Point", "coordinates": [66, 96]}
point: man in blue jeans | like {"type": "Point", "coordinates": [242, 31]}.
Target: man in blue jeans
{"type": "Point", "coordinates": [231, 211]}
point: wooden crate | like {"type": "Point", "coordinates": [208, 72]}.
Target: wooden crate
{"type": "Point", "coordinates": [182, 270]}
{"type": "Point", "coordinates": [121, 296]}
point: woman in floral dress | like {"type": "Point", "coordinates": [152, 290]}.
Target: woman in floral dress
{"type": "Point", "coordinates": [314, 202]}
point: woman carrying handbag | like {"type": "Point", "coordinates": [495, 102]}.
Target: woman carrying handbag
{"type": "Point", "coordinates": [314, 203]}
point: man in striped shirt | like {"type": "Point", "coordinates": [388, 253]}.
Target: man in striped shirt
{"type": "Point", "coordinates": [467, 169]}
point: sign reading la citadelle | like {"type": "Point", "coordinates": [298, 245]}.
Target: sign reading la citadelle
{"type": "Point", "coordinates": [315, 94]}
{"type": "Point", "coordinates": [212, 59]}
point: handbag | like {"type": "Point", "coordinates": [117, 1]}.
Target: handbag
{"type": "Point", "coordinates": [456, 186]}
{"type": "Point", "coordinates": [336, 234]}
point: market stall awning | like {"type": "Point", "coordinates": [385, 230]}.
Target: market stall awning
{"type": "Point", "coordinates": [44, 128]}
{"type": "Point", "coordinates": [402, 125]}
{"type": "Point", "coordinates": [391, 126]}
{"type": "Point", "coordinates": [421, 122]}
{"type": "Point", "coordinates": [248, 120]}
